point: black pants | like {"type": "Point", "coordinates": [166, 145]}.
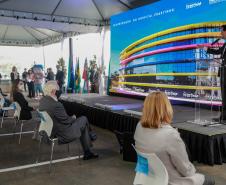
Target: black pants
{"type": "Point", "coordinates": [25, 86]}
{"type": "Point", "coordinates": [31, 89]}
{"type": "Point", "coordinates": [209, 180]}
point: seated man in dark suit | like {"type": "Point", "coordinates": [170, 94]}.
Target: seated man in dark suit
{"type": "Point", "coordinates": [65, 128]}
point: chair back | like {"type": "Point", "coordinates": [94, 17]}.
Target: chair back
{"type": "Point", "coordinates": [155, 172]}
{"type": "Point", "coordinates": [17, 110]}
{"type": "Point", "coordinates": [2, 101]}
{"type": "Point", "coordinates": [46, 124]}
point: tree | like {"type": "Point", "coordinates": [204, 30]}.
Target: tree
{"type": "Point", "coordinates": [61, 63]}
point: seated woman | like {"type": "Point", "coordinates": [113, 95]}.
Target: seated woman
{"type": "Point", "coordinates": [17, 96]}
{"type": "Point", "coordinates": [154, 134]}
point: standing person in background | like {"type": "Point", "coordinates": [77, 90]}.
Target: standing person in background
{"type": "Point", "coordinates": [24, 77]}
{"type": "Point", "coordinates": [14, 74]}
{"type": "Point", "coordinates": [94, 79]}
{"type": "Point", "coordinates": [30, 84]}
{"type": "Point", "coordinates": [50, 74]}
{"type": "Point", "coordinates": [38, 80]}
{"type": "Point", "coordinates": [0, 77]}
{"type": "Point", "coordinates": [91, 76]}
{"type": "Point", "coordinates": [60, 78]}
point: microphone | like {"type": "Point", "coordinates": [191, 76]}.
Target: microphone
{"type": "Point", "coordinates": [214, 42]}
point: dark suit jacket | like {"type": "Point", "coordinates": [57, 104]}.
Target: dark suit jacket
{"type": "Point", "coordinates": [25, 113]}
{"type": "Point", "coordinates": [50, 76]}
{"type": "Point", "coordinates": [60, 77]}
{"type": "Point", "coordinates": [65, 128]}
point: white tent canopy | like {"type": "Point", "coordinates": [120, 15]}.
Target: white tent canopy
{"type": "Point", "coordinates": [41, 22]}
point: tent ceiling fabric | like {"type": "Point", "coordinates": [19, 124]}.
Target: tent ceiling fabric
{"type": "Point", "coordinates": [38, 22]}
{"type": "Point", "coordinates": [27, 36]}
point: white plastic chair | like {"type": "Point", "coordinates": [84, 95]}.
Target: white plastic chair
{"type": "Point", "coordinates": [157, 173]}
{"type": "Point", "coordinates": [4, 109]}
{"type": "Point", "coordinates": [46, 126]}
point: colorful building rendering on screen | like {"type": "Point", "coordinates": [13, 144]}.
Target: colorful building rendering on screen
{"type": "Point", "coordinates": [171, 60]}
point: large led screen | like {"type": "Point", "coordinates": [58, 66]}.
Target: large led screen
{"type": "Point", "coordinates": [160, 47]}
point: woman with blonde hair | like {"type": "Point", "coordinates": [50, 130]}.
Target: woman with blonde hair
{"type": "Point", "coordinates": [154, 134]}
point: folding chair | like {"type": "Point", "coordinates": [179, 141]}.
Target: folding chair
{"type": "Point", "coordinates": [150, 170]}
{"type": "Point", "coordinates": [5, 109]}
{"type": "Point", "coordinates": [45, 129]}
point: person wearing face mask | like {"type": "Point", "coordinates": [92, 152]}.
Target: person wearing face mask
{"type": "Point", "coordinates": [17, 96]}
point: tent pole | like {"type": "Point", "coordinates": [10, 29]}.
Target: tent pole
{"type": "Point", "coordinates": [43, 53]}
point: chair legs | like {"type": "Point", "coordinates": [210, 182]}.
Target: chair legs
{"type": "Point", "coordinates": [21, 129]}
{"type": "Point", "coordinates": [15, 122]}
{"type": "Point", "coordinates": [79, 151]}
{"type": "Point", "coordinates": [51, 157]}
{"type": "Point", "coordinates": [39, 149]}
{"type": "Point", "coordinates": [52, 150]}
{"type": "Point", "coordinates": [3, 114]}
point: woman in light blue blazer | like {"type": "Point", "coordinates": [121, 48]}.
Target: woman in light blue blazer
{"type": "Point", "coordinates": [154, 134]}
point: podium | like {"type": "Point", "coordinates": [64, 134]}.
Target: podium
{"type": "Point", "coordinates": [207, 91]}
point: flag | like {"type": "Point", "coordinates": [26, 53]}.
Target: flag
{"type": "Point", "coordinates": [71, 75]}
{"type": "Point", "coordinates": [77, 77]}
{"type": "Point", "coordinates": [85, 78]}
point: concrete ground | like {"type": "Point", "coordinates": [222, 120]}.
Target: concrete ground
{"type": "Point", "coordinates": [109, 169]}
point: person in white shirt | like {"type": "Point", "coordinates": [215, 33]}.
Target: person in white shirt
{"type": "Point", "coordinates": [154, 134]}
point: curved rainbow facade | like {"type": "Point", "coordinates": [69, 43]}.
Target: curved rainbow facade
{"type": "Point", "coordinates": [172, 61]}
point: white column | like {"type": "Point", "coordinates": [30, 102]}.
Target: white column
{"type": "Point", "coordinates": [102, 88]}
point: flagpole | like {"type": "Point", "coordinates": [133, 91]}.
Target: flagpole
{"type": "Point", "coordinates": [71, 77]}
{"type": "Point", "coordinates": [44, 60]}
{"type": "Point", "coordinates": [101, 80]}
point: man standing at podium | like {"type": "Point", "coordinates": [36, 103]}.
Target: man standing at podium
{"type": "Point", "coordinates": [222, 73]}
